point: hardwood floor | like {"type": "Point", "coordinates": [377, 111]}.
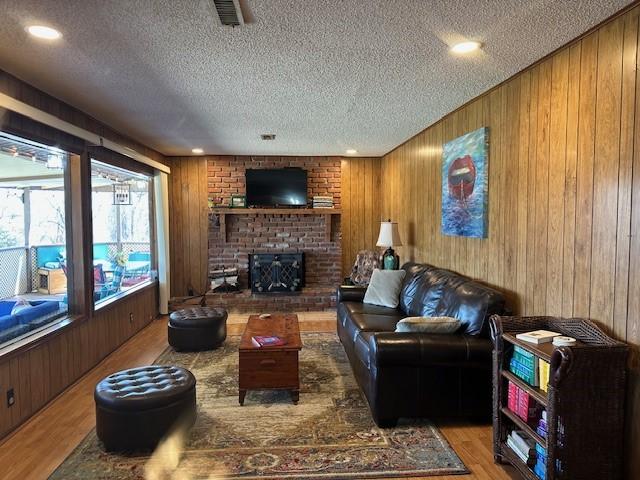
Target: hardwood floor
{"type": "Point", "coordinates": [35, 449]}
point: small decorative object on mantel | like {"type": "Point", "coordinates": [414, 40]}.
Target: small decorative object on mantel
{"type": "Point", "coordinates": [465, 182]}
{"type": "Point", "coordinates": [389, 237]}
{"type": "Point", "coordinates": [238, 201]}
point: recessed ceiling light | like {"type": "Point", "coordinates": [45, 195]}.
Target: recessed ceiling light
{"type": "Point", "coordinates": [351, 151]}
{"type": "Point", "coordinates": [197, 151]}
{"type": "Point", "coordinates": [46, 33]}
{"type": "Point", "coordinates": [465, 47]}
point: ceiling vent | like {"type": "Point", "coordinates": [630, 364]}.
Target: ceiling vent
{"type": "Point", "coordinates": [229, 12]}
{"type": "Point", "coordinates": [268, 136]}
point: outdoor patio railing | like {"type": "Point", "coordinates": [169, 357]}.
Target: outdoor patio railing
{"type": "Point", "coordinates": [19, 265]}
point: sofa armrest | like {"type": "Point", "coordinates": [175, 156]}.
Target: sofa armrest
{"type": "Point", "coordinates": [426, 349]}
{"type": "Point", "coordinates": [351, 293]}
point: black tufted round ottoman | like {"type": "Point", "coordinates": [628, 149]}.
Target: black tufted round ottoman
{"type": "Point", "coordinates": [198, 328]}
{"type": "Point", "coordinates": [135, 408]}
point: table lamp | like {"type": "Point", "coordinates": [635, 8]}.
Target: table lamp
{"type": "Point", "coordinates": [389, 237]}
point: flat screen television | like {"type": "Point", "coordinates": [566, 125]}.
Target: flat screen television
{"type": "Point", "coordinates": [276, 187]}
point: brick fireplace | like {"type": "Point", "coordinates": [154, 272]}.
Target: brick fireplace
{"type": "Point", "coordinates": [247, 234]}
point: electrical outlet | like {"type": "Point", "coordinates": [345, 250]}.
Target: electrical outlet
{"type": "Point", "coordinates": [131, 318]}
{"type": "Point", "coordinates": [11, 398]}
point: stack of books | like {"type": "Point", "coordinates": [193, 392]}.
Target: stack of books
{"type": "Point", "coordinates": [320, 201]}
{"type": "Point", "coordinates": [542, 425]}
{"type": "Point", "coordinates": [522, 404]}
{"type": "Point", "coordinates": [524, 365]}
{"type": "Point", "coordinates": [540, 468]}
{"type": "Point", "coordinates": [543, 374]}
{"type": "Point", "coordinates": [523, 446]}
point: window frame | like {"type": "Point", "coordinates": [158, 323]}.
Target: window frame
{"type": "Point", "coordinates": [28, 339]}
{"type": "Point", "coordinates": [110, 158]}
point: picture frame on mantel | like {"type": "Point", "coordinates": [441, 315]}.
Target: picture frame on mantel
{"type": "Point", "coordinates": [238, 201]}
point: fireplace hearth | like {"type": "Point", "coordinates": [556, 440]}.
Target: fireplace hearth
{"type": "Point", "coordinates": [276, 272]}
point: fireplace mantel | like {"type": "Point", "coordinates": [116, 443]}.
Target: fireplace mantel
{"type": "Point", "coordinates": [223, 212]}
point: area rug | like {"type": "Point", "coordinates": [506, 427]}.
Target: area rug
{"type": "Point", "coordinates": [329, 434]}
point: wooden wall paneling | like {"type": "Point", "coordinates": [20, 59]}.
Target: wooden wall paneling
{"type": "Point", "coordinates": [570, 193]}
{"type": "Point", "coordinates": [204, 225]}
{"type": "Point", "coordinates": [345, 228]}
{"type": "Point", "coordinates": [564, 193]}
{"type": "Point", "coordinates": [522, 196]}
{"type": "Point", "coordinates": [607, 157]}
{"type": "Point", "coordinates": [556, 175]}
{"type": "Point", "coordinates": [584, 177]}
{"type": "Point", "coordinates": [627, 130]}
{"type": "Point", "coordinates": [542, 187]}
{"type": "Point", "coordinates": [511, 164]}
{"type": "Point", "coordinates": [5, 412]}
{"type": "Point", "coordinates": [360, 205]}
{"type": "Point", "coordinates": [528, 300]}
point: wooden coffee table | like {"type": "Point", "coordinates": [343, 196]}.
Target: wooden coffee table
{"type": "Point", "coordinates": [270, 368]}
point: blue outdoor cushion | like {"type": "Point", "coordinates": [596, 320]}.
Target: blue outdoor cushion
{"type": "Point", "coordinates": [38, 309]}
{"type": "Point", "coordinates": [13, 332]}
{"type": "Point", "coordinates": [7, 321]}
{"type": "Point", "coordinates": [6, 306]}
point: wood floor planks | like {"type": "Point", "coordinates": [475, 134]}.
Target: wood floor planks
{"type": "Point", "coordinates": [34, 450]}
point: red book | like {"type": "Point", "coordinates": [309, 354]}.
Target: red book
{"type": "Point", "coordinates": [526, 407]}
{"type": "Point", "coordinates": [267, 341]}
{"type": "Point", "coordinates": [512, 397]}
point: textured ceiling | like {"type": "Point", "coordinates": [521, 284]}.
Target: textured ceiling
{"type": "Point", "coordinates": [323, 75]}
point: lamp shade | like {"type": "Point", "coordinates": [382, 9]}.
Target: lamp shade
{"type": "Point", "coordinates": [389, 235]}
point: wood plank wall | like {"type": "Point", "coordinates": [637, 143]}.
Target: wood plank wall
{"type": "Point", "coordinates": [360, 184]}
{"type": "Point", "coordinates": [47, 366]}
{"type": "Point", "coordinates": [39, 374]}
{"type": "Point", "coordinates": [360, 187]}
{"type": "Point", "coordinates": [564, 190]}
{"type": "Point", "coordinates": [188, 225]}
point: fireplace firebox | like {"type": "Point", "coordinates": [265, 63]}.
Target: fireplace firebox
{"type": "Point", "coordinates": [276, 272]}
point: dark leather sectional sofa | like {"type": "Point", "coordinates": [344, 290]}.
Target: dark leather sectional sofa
{"type": "Point", "coordinates": [419, 374]}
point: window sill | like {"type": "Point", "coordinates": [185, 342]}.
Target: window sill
{"type": "Point", "coordinates": [115, 299]}
{"type": "Point", "coordinates": [37, 339]}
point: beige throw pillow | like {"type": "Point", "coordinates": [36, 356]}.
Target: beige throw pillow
{"type": "Point", "coordinates": [440, 325]}
{"type": "Point", "coordinates": [384, 288]}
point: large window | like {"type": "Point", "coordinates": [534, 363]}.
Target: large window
{"type": "Point", "coordinates": [121, 209]}
{"type": "Point", "coordinates": [33, 250]}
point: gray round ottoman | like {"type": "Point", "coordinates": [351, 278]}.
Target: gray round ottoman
{"type": "Point", "coordinates": [197, 328]}
{"type": "Point", "coordinates": [135, 408]}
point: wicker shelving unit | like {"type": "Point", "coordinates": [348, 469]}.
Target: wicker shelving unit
{"type": "Point", "coordinates": [584, 402]}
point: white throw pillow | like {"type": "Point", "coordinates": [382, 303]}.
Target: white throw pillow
{"type": "Point", "coordinates": [384, 288]}
{"type": "Point", "coordinates": [428, 325]}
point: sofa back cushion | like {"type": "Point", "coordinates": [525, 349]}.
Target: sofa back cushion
{"type": "Point", "coordinates": [428, 291]}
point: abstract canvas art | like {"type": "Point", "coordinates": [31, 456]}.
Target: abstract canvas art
{"type": "Point", "coordinates": [465, 179]}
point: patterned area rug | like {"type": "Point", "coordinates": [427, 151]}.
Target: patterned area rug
{"type": "Point", "coordinates": [329, 434]}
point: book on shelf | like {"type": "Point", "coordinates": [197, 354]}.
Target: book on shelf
{"type": "Point", "coordinates": [525, 443]}
{"type": "Point", "coordinates": [524, 372]}
{"type": "Point", "coordinates": [540, 468]}
{"type": "Point", "coordinates": [522, 404]}
{"type": "Point", "coordinates": [537, 336]}
{"type": "Point", "coordinates": [512, 445]}
{"type": "Point", "coordinates": [267, 341]}
{"type": "Point", "coordinates": [320, 201]}
{"type": "Point", "coordinates": [543, 374]}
